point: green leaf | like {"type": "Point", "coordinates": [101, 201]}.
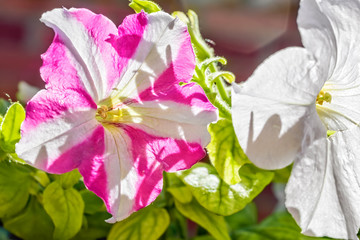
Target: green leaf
{"type": "Point", "coordinates": [15, 184]}
{"type": "Point", "coordinates": [225, 152]}
{"type": "Point", "coordinates": [41, 177]}
{"type": "Point", "coordinates": [149, 224]}
{"type": "Point", "coordinates": [279, 226]}
{"type": "Point", "coordinates": [96, 227]}
{"type": "Point", "coordinates": [69, 179]}
{"type": "Point", "coordinates": [3, 155]}
{"type": "Point", "coordinates": [219, 197]}
{"type": "Point", "coordinates": [92, 202]}
{"type": "Point", "coordinates": [4, 105]}
{"type": "Point", "coordinates": [147, 6]}
{"type": "Point", "coordinates": [246, 217]}
{"type": "Point", "coordinates": [32, 223]}
{"type": "Point", "coordinates": [182, 194]}
{"type": "Point", "coordinates": [66, 208]}
{"type": "Point", "coordinates": [201, 49]}
{"type": "Point", "coordinates": [10, 127]}
{"type": "Point", "coordinates": [282, 175]}
{"type": "Point", "coordinates": [177, 188]}
{"type": "Point", "coordinates": [204, 237]}
{"type": "Point", "coordinates": [213, 223]}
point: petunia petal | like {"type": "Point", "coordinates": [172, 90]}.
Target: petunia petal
{"type": "Point", "coordinates": [317, 35]}
{"type": "Point", "coordinates": [273, 111]}
{"type": "Point", "coordinates": [329, 29]}
{"type": "Point", "coordinates": [53, 128]}
{"type": "Point", "coordinates": [323, 193]}
{"type": "Point", "coordinates": [128, 176]}
{"type": "Point", "coordinates": [184, 115]}
{"type": "Point", "coordinates": [81, 49]}
{"type": "Point", "coordinates": [163, 58]}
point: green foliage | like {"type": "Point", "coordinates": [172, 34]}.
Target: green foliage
{"type": "Point", "coordinates": [219, 197]}
{"type": "Point", "coordinates": [279, 226]}
{"type": "Point", "coordinates": [244, 218]}
{"type": "Point", "coordinates": [225, 152]}
{"type": "Point", "coordinates": [213, 223]}
{"type": "Point", "coordinates": [65, 207]}
{"type": "Point", "coordinates": [282, 175]}
{"type": "Point", "coordinates": [182, 194]}
{"type": "Point", "coordinates": [4, 105]}
{"type": "Point", "coordinates": [10, 127]}
{"type": "Point", "coordinates": [148, 223]}
{"type": "Point", "coordinates": [94, 226]}
{"type": "Point", "coordinates": [15, 185]}
{"type": "Point", "coordinates": [93, 203]}
{"type": "Point", "coordinates": [147, 6]}
{"type": "Point", "coordinates": [69, 179]}
{"type": "Point", "coordinates": [32, 223]}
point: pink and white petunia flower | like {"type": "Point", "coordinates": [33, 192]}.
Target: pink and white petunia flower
{"type": "Point", "coordinates": [293, 101]}
{"type": "Point", "coordinates": [113, 106]}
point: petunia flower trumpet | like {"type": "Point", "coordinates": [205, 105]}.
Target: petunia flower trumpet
{"type": "Point", "coordinates": [302, 105]}
{"type": "Point", "coordinates": [114, 108]}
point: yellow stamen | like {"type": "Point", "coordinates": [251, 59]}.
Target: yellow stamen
{"type": "Point", "coordinates": [107, 114]}
{"type": "Point", "coordinates": [323, 96]}
{"type": "Point", "coordinates": [102, 111]}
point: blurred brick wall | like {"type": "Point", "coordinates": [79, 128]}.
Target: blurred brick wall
{"type": "Point", "coordinates": [245, 32]}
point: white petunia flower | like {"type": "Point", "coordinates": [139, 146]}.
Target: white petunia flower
{"type": "Point", "coordinates": [298, 96]}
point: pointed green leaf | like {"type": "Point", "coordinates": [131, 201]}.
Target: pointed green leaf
{"type": "Point", "coordinates": [10, 127]}
{"type": "Point", "coordinates": [279, 225]}
{"type": "Point", "coordinates": [96, 227]}
{"type": "Point", "coordinates": [182, 194]}
{"type": "Point", "coordinates": [177, 188]}
{"type": "Point", "coordinates": [147, 6]}
{"type": "Point", "coordinates": [92, 202]}
{"type": "Point", "coordinates": [213, 223]}
{"type": "Point", "coordinates": [244, 218]}
{"type": "Point", "coordinates": [225, 152]}
{"type": "Point", "coordinates": [69, 179]}
{"type": "Point", "coordinates": [147, 224]}
{"type": "Point", "coordinates": [282, 175]}
{"type": "Point", "coordinates": [32, 223]}
{"type": "Point", "coordinates": [15, 184]}
{"type": "Point", "coordinates": [66, 208]}
{"type": "Point", "coordinates": [219, 197]}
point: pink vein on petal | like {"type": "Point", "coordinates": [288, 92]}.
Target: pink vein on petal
{"type": "Point", "coordinates": [92, 166]}
{"type": "Point", "coordinates": [130, 33]}
{"type": "Point", "coordinates": [50, 104]}
{"type": "Point", "coordinates": [57, 70]}
{"type": "Point", "coordinates": [100, 28]}
{"type": "Point", "coordinates": [166, 87]}
{"type": "Point", "coordinates": [152, 155]}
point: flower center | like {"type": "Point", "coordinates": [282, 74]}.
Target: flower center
{"type": "Point", "coordinates": [323, 97]}
{"type": "Point", "coordinates": [106, 114]}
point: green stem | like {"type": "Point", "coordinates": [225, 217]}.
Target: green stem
{"type": "Point", "coordinates": [221, 89]}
